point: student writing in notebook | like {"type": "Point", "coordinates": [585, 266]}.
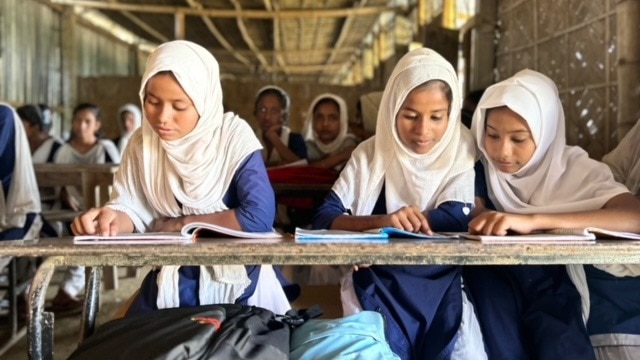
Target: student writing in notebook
{"type": "Point", "coordinates": [529, 179]}
{"type": "Point", "coordinates": [416, 173]}
{"type": "Point", "coordinates": [190, 162]}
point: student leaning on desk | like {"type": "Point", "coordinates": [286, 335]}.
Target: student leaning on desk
{"type": "Point", "coordinates": [189, 162]}
{"type": "Point", "coordinates": [529, 180]}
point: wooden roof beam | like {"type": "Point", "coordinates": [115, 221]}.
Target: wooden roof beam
{"type": "Point", "coordinates": [246, 37]}
{"type": "Point", "coordinates": [218, 35]}
{"type": "Point", "coordinates": [247, 14]}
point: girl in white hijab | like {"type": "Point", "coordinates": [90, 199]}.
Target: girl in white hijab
{"type": "Point", "coordinates": [416, 173]}
{"type": "Point", "coordinates": [129, 119]}
{"type": "Point", "coordinates": [534, 181]}
{"type": "Point", "coordinates": [189, 162]}
{"type": "Point", "coordinates": [281, 146]}
{"type": "Point", "coordinates": [325, 132]}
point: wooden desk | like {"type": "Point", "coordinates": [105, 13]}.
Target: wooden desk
{"type": "Point", "coordinates": [94, 180]}
{"type": "Point", "coordinates": [449, 252]}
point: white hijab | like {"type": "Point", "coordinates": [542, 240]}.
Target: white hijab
{"type": "Point", "coordinates": [310, 134]}
{"type": "Point", "coordinates": [196, 169]}
{"type": "Point", "coordinates": [190, 175]}
{"type": "Point", "coordinates": [23, 196]}
{"type": "Point", "coordinates": [285, 130]}
{"type": "Point", "coordinates": [137, 117]}
{"type": "Point", "coordinates": [444, 174]}
{"type": "Point", "coordinates": [624, 160]}
{"type": "Point", "coordinates": [558, 178]}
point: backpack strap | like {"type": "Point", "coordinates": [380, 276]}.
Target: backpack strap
{"type": "Point", "coordinates": [295, 317]}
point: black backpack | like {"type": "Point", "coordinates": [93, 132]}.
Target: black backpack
{"type": "Point", "coordinates": [224, 331]}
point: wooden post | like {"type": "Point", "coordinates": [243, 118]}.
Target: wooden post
{"type": "Point", "coordinates": [628, 47]}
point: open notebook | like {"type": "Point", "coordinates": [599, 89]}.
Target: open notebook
{"type": "Point", "coordinates": [560, 236]}
{"type": "Point", "coordinates": [381, 235]}
{"type": "Point", "coordinates": [188, 234]}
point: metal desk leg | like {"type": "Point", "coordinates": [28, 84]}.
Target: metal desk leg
{"type": "Point", "coordinates": [40, 323]}
{"type": "Point", "coordinates": [91, 304]}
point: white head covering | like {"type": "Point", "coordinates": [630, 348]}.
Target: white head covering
{"type": "Point", "coordinates": [557, 178]}
{"type": "Point", "coordinates": [190, 175]}
{"type": "Point", "coordinates": [310, 134]}
{"type": "Point", "coordinates": [197, 169]}
{"type": "Point", "coordinates": [23, 196]}
{"type": "Point", "coordinates": [444, 174]}
{"type": "Point", "coordinates": [285, 131]}
{"type": "Point", "coordinates": [370, 105]}
{"type": "Point", "coordinates": [287, 100]}
{"type": "Point", "coordinates": [624, 160]}
{"type": "Point", "coordinates": [137, 116]}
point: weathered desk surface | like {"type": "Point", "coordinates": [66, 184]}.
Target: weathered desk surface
{"type": "Point", "coordinates": [224, 251]}
{"type": "Point", "coordinates": [221, 251]}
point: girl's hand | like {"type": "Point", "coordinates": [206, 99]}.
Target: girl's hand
{"type": "Point", "coordinates": [409, 218]}
{"type": "Point", "coordinates": [499, 223]}
{"type": "Point", "coordinates": [168, 224]}
{"type": "Point", "coordinates": [97, 221]}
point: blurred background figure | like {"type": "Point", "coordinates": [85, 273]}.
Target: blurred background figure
{"type": "Point", "coordinates": [329, 145]}
{"type": "Point", "coordinates": [369, 105]}
{"type": "Point", "coordinates": [281, 146]}
{"type": "Point", "coordinates": [624, 160]}
{"type": "Point", "coordinates": [37, 125]}
{"type": "Point", "coordinates": [129, 119]}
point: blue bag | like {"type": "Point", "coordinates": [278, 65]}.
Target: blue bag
{"type": "Point", "coordinates": [359, 336]}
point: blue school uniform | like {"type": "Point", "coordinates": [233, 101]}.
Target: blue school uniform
{"type": "Point", "coordinates": [7, 165]}
{"type": "Point", "coordinates": [526, 312]}
{"type": "Point", "coordinates": [421, 305]}
{"type": "Point", "coordinates": [251, 195]}
{"type": "Point", "coordinates": [297, 145]}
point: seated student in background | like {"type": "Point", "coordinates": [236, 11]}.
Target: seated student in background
{"type": "Point", "coordinates": [190, 162]}
{"type": "Point", "coordinates": [129, 119]}
{"type": "Point", "coordinates": [614, 321]}
{"type": "Point", "coordinates": [280, 145]}
{"type": "Point", "coordinates": [325, 130]}
{"type": "Point", "coordinates": [43, 146]}
{"type": "Point", "coordinates": [84, 147]}
{"type": "Point", "coordinates": [415, 174]}
{"type": "Point", "coordinates": [19, 196]}
{"type": "Point", "coordinates": [529, 179]}
{"type": "Point", "coordinates": [624, 160]}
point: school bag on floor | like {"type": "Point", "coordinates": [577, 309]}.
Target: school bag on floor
{"type": "Point", "coordinates": [223, 331]}
{"type": "Point", "coordinates": [356, 337]}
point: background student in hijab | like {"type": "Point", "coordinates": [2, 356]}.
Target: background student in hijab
{"type": "Point", "coordinates": [43, 146]}
{"type": "Point", "coordinates": [529, 180]}
{"type": "Point", "coordinates": [84, 147]}
{"type": "Point", "coordinates": [191, 162]}
{"type": "Point", "coordinates": [415, 174]}
{"type": "Point", "coordinates": [615, 305]}
{"type": "Point", "coordinates": [129, 119]}
{"type": "Point", "coordinates": [281, 146]}
{"type": "Point", "coordinates": [328, 143]}
{"type": "Point", "coordinates": [624, 160]}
